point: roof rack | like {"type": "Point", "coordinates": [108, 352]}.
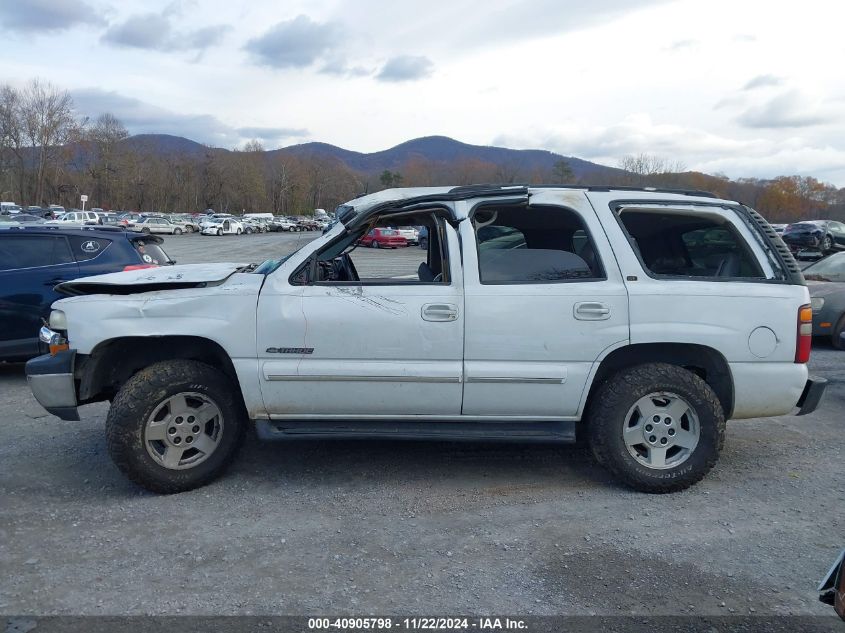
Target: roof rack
{"type": "Point", "coordinates": [515, 188]}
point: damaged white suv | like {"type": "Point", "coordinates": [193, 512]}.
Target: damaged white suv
{"type": "Point", "coordinates": [639, 319]}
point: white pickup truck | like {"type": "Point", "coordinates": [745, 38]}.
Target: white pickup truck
{"type": "Point", "coordinates": [638, 319]}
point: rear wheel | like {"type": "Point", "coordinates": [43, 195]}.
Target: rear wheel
{"type": "Point", "coordinates": [175, 426]}
{"type": "Point", "coordinates": [657, 427]}
{"type": "Point", "coordinates": [177, 231]}
{"type": "Point", "coordinates": [145, 230]}
{"type": "Point", "coordinates": [827, 244]}
{"type": "Point", "coordinates": [238, 232]}
{"type": "Point", "coordinates": [374, 244]}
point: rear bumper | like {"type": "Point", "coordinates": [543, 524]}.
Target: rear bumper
{"type": "Point", "coordinates": [812, 395]}
{"type": "Point", "coordinates": [801, 241]}
{"type": "Point", "coordinates": [51, 380]}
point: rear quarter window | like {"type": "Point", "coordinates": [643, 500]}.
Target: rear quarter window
{"type": "Point", "coordinates": [689, 245]}
{"type": "Point", "coordinates": [87, 248]}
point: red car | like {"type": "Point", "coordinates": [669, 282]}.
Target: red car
{"type": "Point", "coordinates": [383, 238]}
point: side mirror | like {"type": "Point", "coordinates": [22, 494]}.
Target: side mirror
{"type": "Point", "coordinates": [832, 588]}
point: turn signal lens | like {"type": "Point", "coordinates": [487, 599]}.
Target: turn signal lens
{"type": "Point", "coordinates": [805, 334]}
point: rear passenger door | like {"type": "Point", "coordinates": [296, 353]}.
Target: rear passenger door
{"type": "Point", "coordinates": [30, 266]}
{"type": "Point", "coordinates": [544, 299]}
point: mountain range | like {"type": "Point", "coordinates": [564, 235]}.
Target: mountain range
{"type": "Point", "coordinates": [439, 149]}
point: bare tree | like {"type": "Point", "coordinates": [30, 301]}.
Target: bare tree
{"type": "Point", "coordinates": [644, 168]}
{"type": "Point", "coordinates": [48, 123]}
{"type": "Point", "coordinates": [12, 143]}
{"type": "Point", "coordinates": [105, 136]}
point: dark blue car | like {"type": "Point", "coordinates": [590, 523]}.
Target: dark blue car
{"type": "Point", "coordinates": [33, 259]}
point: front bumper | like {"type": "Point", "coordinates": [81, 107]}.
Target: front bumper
{"type": "Point", "coordinates": [812, 395]}
{"type": "Point", "coordinates": [51, 380]}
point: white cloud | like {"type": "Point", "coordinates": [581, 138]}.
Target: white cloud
{"type": "Point", "coordinates": [597, 80]}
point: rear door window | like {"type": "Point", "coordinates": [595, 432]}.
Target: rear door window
{"type": "Point", "coordinates": [33, 251]}
{"type": "Point", "coordinates": [534, 245]}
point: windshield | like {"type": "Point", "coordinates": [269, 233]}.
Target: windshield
{"type": "Point", "coordinates": [828, 269]}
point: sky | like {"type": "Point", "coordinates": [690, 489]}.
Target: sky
{"type": "Point", "coordinates": [745, 88]}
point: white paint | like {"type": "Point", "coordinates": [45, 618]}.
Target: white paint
{"type": "Point", "coordinates": [360, 331]}
{"type": "Point", "coordinates": [525, 331]}
{"type": "Point", "coordinates": [510, 351]}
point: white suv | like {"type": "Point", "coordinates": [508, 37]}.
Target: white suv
{"type": "Point", "coordinates": [639, 319]}
{"type": "Point", "coordinates": [76, 218]}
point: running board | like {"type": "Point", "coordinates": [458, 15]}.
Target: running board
{"type": "Point", "coordinates": [563, 432]}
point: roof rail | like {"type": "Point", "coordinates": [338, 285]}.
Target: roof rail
{"type": "Point", "coordinates": [489, 189]}
{"type": "Point", "coordinates": [498, 189]}
{"type": "Point", "coordinates": [683, 192]}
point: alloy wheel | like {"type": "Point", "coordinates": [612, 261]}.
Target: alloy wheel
{"type": "Point", "coordinates": [661, 430]}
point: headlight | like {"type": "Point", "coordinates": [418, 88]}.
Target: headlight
{"type": "Point", "coordinates": [58, 320]}
{"type": "Point", "coordinates": [817, 304]}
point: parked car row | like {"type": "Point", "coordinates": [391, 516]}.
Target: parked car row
{"type": "Point", "coordinates": [10, 208]}
{"type": "Point", "coordinates": [170, 224]}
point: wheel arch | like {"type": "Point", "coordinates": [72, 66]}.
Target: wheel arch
{"type": "Point", "coordinates": [706, 362]}
{"type": "Point", "coordinates": [112, 362]}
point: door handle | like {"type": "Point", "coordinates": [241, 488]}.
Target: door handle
{"type": "Point", "coordinates": [591, 311]}
{"type": "Point", "coordinates": [439, 312]}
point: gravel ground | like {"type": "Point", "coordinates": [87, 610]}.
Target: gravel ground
{"type": "Point", "coordinates": [415, 527]}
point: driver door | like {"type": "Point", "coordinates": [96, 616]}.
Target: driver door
{"type": "Point", "coordinates": [381, 347]}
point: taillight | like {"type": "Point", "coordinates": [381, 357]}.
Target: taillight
{"type": "Point", "coordinates": [138, 267]}
{"type": "Point", "coordinates": [805, 334]}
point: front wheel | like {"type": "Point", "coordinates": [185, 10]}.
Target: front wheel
{"type": "Point", "coordinates": [238, 232]}
{"type": "Point", "coordinates": [374, 244]}
{"type": "Point", "coordinates": [219, 232]}
{"type": "Point", "coordinates": [657, 427]}
{"type": "Point", "coordinates": [175, 426]}
{"type": "Point", "coordinates": [145, 231]}
{"type": "Point", "coordinates": [177, 231]}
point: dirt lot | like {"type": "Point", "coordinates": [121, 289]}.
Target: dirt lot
{"type": "Point", "coordinates": [385, 527]}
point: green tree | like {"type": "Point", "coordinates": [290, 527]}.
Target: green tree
{"type": "Point", "coordinates": [562, 172]}
{"type": "Point", "coordinates": [390, 179]}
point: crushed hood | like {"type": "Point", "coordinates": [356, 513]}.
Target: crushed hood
{"type": "Point", "coordinates": [150, 279]}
